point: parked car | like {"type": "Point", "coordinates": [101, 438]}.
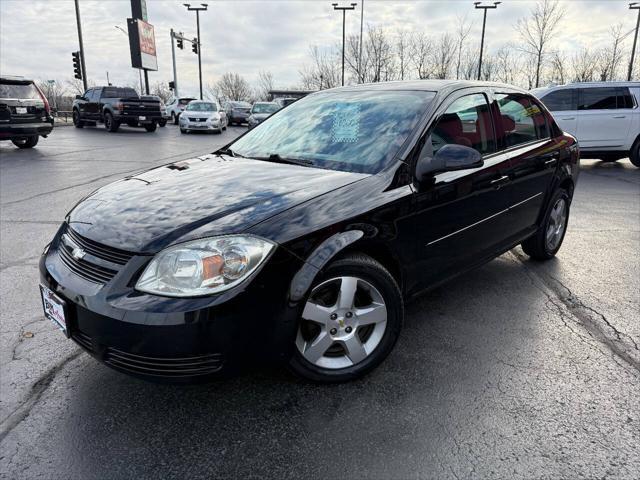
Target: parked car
{"type": "Point", "coordinates": [302, 244]}
{"type": "Point", "coordinates": [114, 106]}
{"type": "Point", "coordinates": [237, 112]}
{"type": "Point", "coordinates": [163, 111]}
{"type": "Point", "coordinates": [25, 115]}
{"type": "Point", "coordinates": [603, 116]}
{"type": "Point", "coordinates": [260, 111]}
{"type": "Point", "coordinates": [176, 106]}
{"type": "Point", "coordinates": [283, 102]}
{"type": "Point", "coordinates": [203, 116]}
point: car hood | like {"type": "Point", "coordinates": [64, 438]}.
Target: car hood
{"type": "Point", "coordinates": [195, 113]}
{"type": "Point", "coordinates": [205, 196]}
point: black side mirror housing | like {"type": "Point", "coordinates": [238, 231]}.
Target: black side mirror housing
{"type": "Point", "coordinates": [79, 97]}
{"type": "Point", "coordinates": [450, 157]}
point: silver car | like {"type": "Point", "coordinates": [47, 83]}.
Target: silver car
{"type": "Point", "coordinates": [260, 111]}
{"type": "Point", "coordinates": [203, 115]}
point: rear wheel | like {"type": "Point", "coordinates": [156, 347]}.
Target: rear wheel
{"type": "Point", "coordinates": [350, 322]}
{"type": "Point", "coordinates": [546, 242]}
{"type": "Point", "coordinates": [76, 119]}
{"type": "Point", "coordinates": [28, 142]}
{"type": "Point", "coordinates": [110, 123]}
{"type": "Point", "coordinates": [635, 153]}
{"type": "Point", "coordinates": [150, 128]}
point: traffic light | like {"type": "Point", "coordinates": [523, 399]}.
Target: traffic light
{"type": "Point", "coordinates": [194, 45]}
{"type": "Point", "coordinates": [77, 68]}
{"type": "Point", "coordinates": [172, 85]}
{"type": "Point", "coordinates": [180, 43]}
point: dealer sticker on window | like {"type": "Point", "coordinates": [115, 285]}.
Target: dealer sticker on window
{"type": "Point", "coordinates": [346, 123]}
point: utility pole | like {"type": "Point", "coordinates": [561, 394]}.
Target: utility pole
{"type": "Point", "coordinates": [361, 79]}
{"type": "Point", "coordinates": [173, 57]}
{"type": "Point", "coordinates": [634, 6]}
{"type": "Point", "coordinates": [344, 11]}
{"type": "Point", "coordinates": [84, 68]}
{"type": "Point", "coordinates": [484, 23]}
{"type": "Point", "coordinates": [198, 10]}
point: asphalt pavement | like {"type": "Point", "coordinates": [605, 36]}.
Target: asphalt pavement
{"type": "Point", "coordinates": [515, 370]}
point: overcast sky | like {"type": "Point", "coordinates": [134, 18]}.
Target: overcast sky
{"type": "Point", "coordinates": [247, 36]}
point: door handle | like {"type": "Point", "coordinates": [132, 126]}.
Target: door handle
{"type": "Point", "coordinates": [499, 182]}
{"type": "Point", "coordinates": [620, 116]}
{"type": "Point", "coordinates": [568, 118]}
{"type": "Point", "coordinates": [550, 162]}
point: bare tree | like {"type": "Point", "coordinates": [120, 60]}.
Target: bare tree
{"type": "Point", "coordinates": [324, 71]}
{"type": "Point", "coordinates": [537, 31]}
{"type": "Point", "coordinates": [75, 86]}
{"type": "Point", "coordinates": [462, 32]}
{"type": "Point", "coordinates": [265, 85]}
{"type": "Point", "coordinates": [402, 52]}
{"type": "Point", "coordinates": [54, 91]}
{"type": "Point", "coordinates": [162, 90]}
{"type": "Point", "coordinates": [442, 56]}
{"type": "Point", "coordinates": [421, 45]}
{"type": "Point", "coordinates": [233, 87]}
{"type": "Point", "coordinates": [610, 58]}
{"type": "Point", "coordinates": [584, 63]}
{"type": "Point", "coordinates": [507, 65]}
{"type": "Point", "coordinates": [559, 62]}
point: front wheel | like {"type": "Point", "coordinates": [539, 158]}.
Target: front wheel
{"type": "Point", "coordinates": [182, 130]}
{"type": "Point", "coordinates": [28, 142]}
{"type": "Point", "coordinates": [76, 119]}
{"type": "Point", "coordinates": [162, 123]}
{"type": "Point", "coordinates": [150, 128]}
{"type": "Point", "coordinates": [546, 242]}
{"type": "Point", "coordinates": [350, 322]}
{"type": "Point", "coordinates": [635, 153]}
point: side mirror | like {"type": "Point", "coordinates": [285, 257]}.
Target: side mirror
{"type": "Point", "coordinates": [79, 97]}
{"type": "Point", "coordinates": [449, 158]}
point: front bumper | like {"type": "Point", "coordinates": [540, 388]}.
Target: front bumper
{"type": "Point", "coordinates": [172, 339]}
{"type": "Point", "coordinates": [204, 126]}
{"type": "Point", "coordinates": [20, 130]}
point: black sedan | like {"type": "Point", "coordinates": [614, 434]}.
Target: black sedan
{"type": "Point", "coordinates": [302, 240]}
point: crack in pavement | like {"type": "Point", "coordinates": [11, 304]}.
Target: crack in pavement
{"type": "Point", "coordinates": [37, 390]}
{"type": "Point", "coordinates": [597, 325]}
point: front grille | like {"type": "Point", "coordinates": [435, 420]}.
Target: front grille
{"type": "Point", "coordinates": [110, 254]}
{"type": "Point", "coordinates": [88, 271]}
{"type": "Point", "coordinates": [191, 119]}
{"type": "Point", "coordinates": [83, 340]}
{"type": "Point", "coordinates": [164, 367]}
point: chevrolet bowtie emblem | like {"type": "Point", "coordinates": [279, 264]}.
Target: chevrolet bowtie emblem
{"type": "Point", "coordinates": [78, 253]}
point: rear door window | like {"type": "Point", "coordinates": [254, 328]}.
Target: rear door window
{"type": "Point", "coordinates": [561, 100]}
{"type": "Point", "coordinates": [624, 98]}
{"type": "Point", "coordinates": [466, 122]}
{"type": "Point", "coordinates": [522, 119]}
{"type": "Point", "coordinates": [18, 90]}
{"type": "Point", "coordinates": [598, 99]}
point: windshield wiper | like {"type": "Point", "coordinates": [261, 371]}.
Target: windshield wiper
{"type": "Point", "coordinates": [276, 158]}
{"type": "Point", "coordinates": [228, 151]}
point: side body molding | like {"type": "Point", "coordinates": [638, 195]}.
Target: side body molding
{"type": "Point", "coordinates": [328, 249]}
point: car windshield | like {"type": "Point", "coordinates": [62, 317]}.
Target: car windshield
{"type": "Point", "coordinates": [264, 108]}
{"type": "Point", "coordinates": [18, 90]}
{"type": "Point", "coordinates": [184, 101]}
{"type": "Point", "coordinates": [355, 131]}
{"type": "Point", "coordinates": [240, 105]}
{"type": "Point", "coordinates": [201, 107]}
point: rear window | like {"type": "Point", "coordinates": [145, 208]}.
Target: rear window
{"type": "Point", "coordinates": [185, 101]}
{"type": "Point", "coordinates": [598, 99]}
{"type": "Point", "coordinates": [18, 90]}
{"type": "Point", "coordinates": [117, 92]}
{"type": "Point", "coordinates": [624, 99]}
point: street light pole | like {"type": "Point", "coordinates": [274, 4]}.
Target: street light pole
{"type": "Point", "coordinates": [634, 6]}
{"type": "Point", "coordinates": [139, 71]}
{"type": "Point", "coordinates": [198, 10]}
{"type": "Point", "coordinates": [361, 77]}
{"type": "Point", "coordinates": [173, 57]}
{"type": "Point", "coordinates": [484, 23]}
{"type": "Point", "coordinates": [84, 68]}
{"type": "Point", "coordinates": [344, 12]}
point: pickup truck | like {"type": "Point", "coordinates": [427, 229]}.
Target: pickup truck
{"type": "Point", "coordinates": [115, 106]}
{"type": "Point", "coordinates": [603, 116]}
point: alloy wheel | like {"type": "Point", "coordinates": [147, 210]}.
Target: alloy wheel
{"type": "Point", "coordinates": [556, 224]}
{"type": "Point", "coordinates": [342, 323]}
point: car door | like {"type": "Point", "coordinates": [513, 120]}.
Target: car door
{"type": "Point", "coordinates": [534, 155]}
{"type": "Point", "coordinates": [83, 105]}
{"type": "Point", "coordinates": [563, 105]}
{"type": "Point", "coordinates": [459, 219]}
{"type": "Point", "coordinates": [600, 122]}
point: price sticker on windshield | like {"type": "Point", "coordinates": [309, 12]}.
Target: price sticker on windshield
{"type": "Point", "coordinates": [346, 123]}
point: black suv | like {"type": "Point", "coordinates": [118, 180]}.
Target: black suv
{"type": "Point", "coordinates": [24, 112]}
{"type": "Point", "coordinates": [114, 106]}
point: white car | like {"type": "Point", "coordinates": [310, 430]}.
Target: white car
{"type": "Point", "coordinates": [176, 106]}
{"type": "Point", "coordinates": [603, 116]}
{"type": "Point", "coordinates": [203, 115]}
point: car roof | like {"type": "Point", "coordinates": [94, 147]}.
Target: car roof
{"type": "Point", "coordinates": [548, 88]}
{"type": "Point", "coordinates": [427, 85]}
{"type": "Point", "coordinates": [15, 78]}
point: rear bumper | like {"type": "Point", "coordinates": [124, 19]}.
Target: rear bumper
{"type": "Point", "coordinates": [135, 117]}
{"type": "Point", "coordinates": [18, 130]}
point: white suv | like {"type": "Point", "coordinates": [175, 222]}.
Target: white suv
{"type": "Point", "coordinates": [603, 116]}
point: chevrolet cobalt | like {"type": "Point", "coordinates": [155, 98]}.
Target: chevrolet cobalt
{"type": "Point", "coordinates": [301, 240]}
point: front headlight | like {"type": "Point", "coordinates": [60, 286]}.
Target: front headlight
{"type": "Point", "coordinates": [204, 267]}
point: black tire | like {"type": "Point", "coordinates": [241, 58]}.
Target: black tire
{"type": "Point", "coordinates": [537, 246]}
{"type": "Point", "coordinates": [28, 142]}
{"type": "Point", "coordinates": [635, 153]}
{"type": "Point", "coordinates": [162, 123]}
{"type": "Point", "coordinates": [368, 269]}
{"type": "Point", "coordinates": [174, 118]}
{"type": "Point", "coordinates": [182, 130]}
{"type": "Point", "coordinates": [151, 128]}
{"type": "Point", "coordinates": [110, 123]}
{"type": "Point", "coordinates": [76, 119]}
